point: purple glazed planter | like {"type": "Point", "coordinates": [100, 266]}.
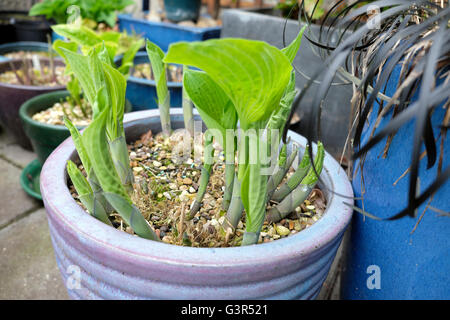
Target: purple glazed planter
{"type": "Point", "coordinates": [13, 96]}
{"type": "Point", "coordinates": [112, 264]}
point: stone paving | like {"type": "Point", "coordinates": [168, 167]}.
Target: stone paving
{"type": "Point", "coordinates": [28, 268]}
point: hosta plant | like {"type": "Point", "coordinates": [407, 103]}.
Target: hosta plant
{"type": "Point", "coordinates": [243, 91]}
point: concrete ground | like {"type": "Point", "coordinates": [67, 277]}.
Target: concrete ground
{"type": "Point", "coordinates": [28, 268]}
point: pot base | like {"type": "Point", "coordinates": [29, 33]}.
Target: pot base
{"type": "Point", "coordinates": [30, 179]}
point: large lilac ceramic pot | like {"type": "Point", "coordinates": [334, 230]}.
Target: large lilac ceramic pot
{"type": "Point", "coordinates": [99, 262]}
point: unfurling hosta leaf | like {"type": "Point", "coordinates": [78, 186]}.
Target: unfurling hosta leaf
{"type": "Point", "coordinates": [156, 56]}
{"type": "Point", "coordinates": [293, 180]}
{"type": "Point", "coordinates": [77, 140]}
{"type": "Point", "coordinates": [88, 197]}
{"type": "Point", "coordinates": [88, 70]}
{"type": "Point", "coordinates": [291, 50]}
{"type": "Point", "coordinates": [252, 73]}
{"type": "Point", "coordinates": [116, 85]}
{"type": "Point", "coordinates": [301, 192]}
{"type": "Point", "coordinates": [95, 140]}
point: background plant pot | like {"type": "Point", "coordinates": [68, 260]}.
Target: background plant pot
{"type": "Point", "coordinates": [13, 96]}
{"type": "Point", "coordinates": [117, 265]}
{"type": "Point", "coordinates": [22, 46]}
{"type": "Point", "coordinates": [269, 28]}
{"type": "Point", "coordinates": [46, 137]}
{"type": "Point", "coordinates": [32, 29]}
{"type": "Point", "coordinates": [7, 27]}
{"type": "Point", "coordinates": [181, 10]}
{"type": "Point", "coordinates": [412, 265]}
{"type": "Point", "coordinates": [165, 33]}
{"type": "Point", "coordinates": [142, 92]}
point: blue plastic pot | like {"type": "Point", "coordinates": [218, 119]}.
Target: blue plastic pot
{"type": "Point", "coordinates": [142, 92]}
{"type": "Point", "coordinates": [386, 260]}
{"type": "Point", "coordinates": [22, 46]}
{"type": "Point", "coordinates": [164, 33]}
{"type": "Point", "coordinates": [181, 10]}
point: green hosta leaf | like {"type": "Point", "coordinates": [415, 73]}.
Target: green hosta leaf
{"type": "Point", "coordinates": [73, 86]}
{"type": "Point", "coordinates": [112, 36]}
{"type": "Point", "coordinates": [77, 140]}
{"type": "Point", "coordinates": [131, 215]}
{"type": "Point", "coordinates": [253, 194]}
{"type": "Point", "coordinates": [128, 56]}
{"type": "Point", "coordinates": [252, 73]}
{"type": "Point", "coordinates": [95, 141]}
{"type": "Point", "coordinates": [88, 70]}
{"type": "Point", "coordinates": [104, 55]}
{"type": "Point", "coordinates": [156, 55]}
{"type": "Point", "coordinates": [311, 178]}
{"type": "Point", "coordinates": [85, 193]}
{"type": "Point", "coordinates": [88, 39]}
{"type": "Point", "coordinates": [71, 46]}
{"type": "Point", "coordinates": [116, 87]}
{"type": "Point", "coordinates": [78, 33]}
{"type": "Point", "coordinates": [291, 50]}
{"type": "Point", "coordinates": [214, 106]}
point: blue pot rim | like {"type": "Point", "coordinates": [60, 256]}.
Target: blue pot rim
{"type": "Point", "coordinates": [128, 17]}
{"type": "Point", "coordinates": [147, 82]}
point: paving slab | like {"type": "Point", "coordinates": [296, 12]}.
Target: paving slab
{"type": "Point", "coordinates": [13, 153]}
{"type": "Point", "coordinates": [14, 202]}
{"type": "Point", "coordinates": [28, 267]}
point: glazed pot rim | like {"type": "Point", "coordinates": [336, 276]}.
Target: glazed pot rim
{"type": "Point", "coordinates": [171, 25]}
{"type": "Point", "coordinates": [61, 206]}
{"type": "Point", "coordinates": [28, 87]}
{"type": "Point", "coordinates": [59, 127]}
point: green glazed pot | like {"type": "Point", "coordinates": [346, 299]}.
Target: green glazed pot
{"type": "Point", "coordinates": [46, 137]}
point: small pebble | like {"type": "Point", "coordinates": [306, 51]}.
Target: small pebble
{"type": "Point", "coordinates": [157, 164]}
{"type": "Point", "coordinates": [282, 231]}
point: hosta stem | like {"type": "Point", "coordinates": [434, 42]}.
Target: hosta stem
{"type": "Point", "coordinates": [250, 238]}
{"type": "Point", "coordinates": [229, 179]}
{"type": "Point", "coordinates": [294, 180]}
{"type": "Point", "coordinates": [119, 154]}
{"type": "Point", "coordinates": [292, 201]}
{"type": "Point", "coordinates": [164, 112]}
{"type": "Point", "coordinates": [301, 192]}
{"type": "Point", "coordinates": [236, 208]}
{"type": "Point", "coordinates": [188, 111]}
{"type": "Point", "coordinates": [204, 177]}
{"type": "Point", "coordinates": [279, 174]}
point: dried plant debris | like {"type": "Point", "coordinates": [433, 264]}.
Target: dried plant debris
{"type": "Point", "coordinates": [26, 54]}
{"type": "Point", "coordinates": [144, 71]}
{"type": "Point", "coordinates": [35, 76]}
{"type": "Point", "coordinates": [55, 115]}
{"type": "Point", "coordinates": [165, 189]}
